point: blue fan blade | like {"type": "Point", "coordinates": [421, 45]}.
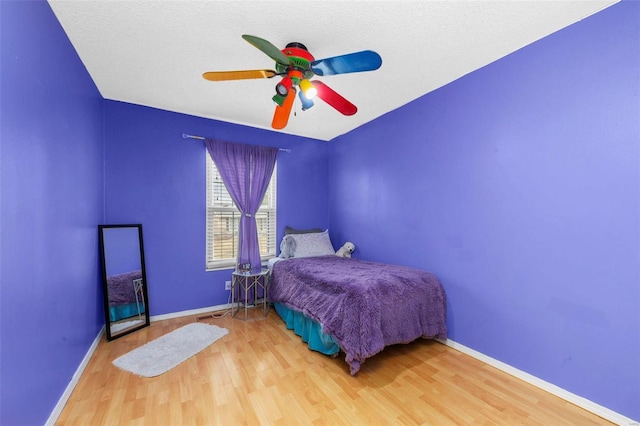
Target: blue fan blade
{"type": "Point", "coordinates": [367, 60]}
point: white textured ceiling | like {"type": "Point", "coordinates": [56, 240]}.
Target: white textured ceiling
{"type": "Point", "coordinates": [153, 53]}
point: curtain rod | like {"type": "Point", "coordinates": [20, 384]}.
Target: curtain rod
{"type": "Point", "coordinates": [186, 136]}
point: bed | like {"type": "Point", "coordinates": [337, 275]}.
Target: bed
{"type": "Point", "coordinates": [123, 289]}
{"type": "Point", "coordinates": [352, 305]}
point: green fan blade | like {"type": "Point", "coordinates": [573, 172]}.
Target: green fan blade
{"type": "Point", "coordinates": [268, 48]}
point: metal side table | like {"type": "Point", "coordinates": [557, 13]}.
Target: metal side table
{"type": "Point", "coordinates": [249, 292]}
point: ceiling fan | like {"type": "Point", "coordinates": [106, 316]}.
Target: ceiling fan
{"type": "Point", "coordinates": [297, 67]}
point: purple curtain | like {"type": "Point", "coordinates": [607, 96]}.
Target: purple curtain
{"type": "Point", "coordinates": [246, 171]}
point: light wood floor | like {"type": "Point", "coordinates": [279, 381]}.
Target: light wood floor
{"type": "Point", "coordinates": [261, 373]}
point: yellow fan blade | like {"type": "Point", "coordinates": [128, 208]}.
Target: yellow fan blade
{"type": "Point", "coordinates": [281, 116]}
{"type": "Point", "coordinates": [237, 75]}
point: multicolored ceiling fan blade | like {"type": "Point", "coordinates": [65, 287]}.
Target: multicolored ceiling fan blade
{"type": "Point", "coordinates": [332, 98]}
{"type": "Point", "coordinates": [237, 75]}
{"type": "Point", "coordinates": [268, 48]}
{"type": "Point", "coordinates": [281, 116]}
{"type": "Point", "coordinates": [367, 60]}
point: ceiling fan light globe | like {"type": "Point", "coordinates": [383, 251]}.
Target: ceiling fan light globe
{"type": "Point", "coordinates": [306, 103]}
{"type": "Point", "coordinates": [311, 93]}
{"type": "Point", "coordinates": [307, 88]}
{"type": "Point", "coordinates": [281, 89]}
{"type": "Point", "coordinates": [284, 86]}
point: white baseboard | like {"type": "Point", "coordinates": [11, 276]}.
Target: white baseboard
{"type": "Point", "coordinates": [53, 417]}
{"type": "Point", "coordinates": [581, 402]}
{"type": "Point", "coordinates": [190, 312]}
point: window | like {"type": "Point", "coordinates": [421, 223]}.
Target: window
{"type": "Point", "coordinates": [223, 221]}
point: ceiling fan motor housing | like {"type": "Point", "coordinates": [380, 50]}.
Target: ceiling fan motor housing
{"type": "Point", "coordinates": [300, 59]}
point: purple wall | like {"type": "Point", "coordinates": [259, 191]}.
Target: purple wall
{"type": "Point", "coordinates": [157, 178]}
{"type": "Point", "coordinates": [519, 186]}
{"type": "Point", "coordinates": [50, 205]}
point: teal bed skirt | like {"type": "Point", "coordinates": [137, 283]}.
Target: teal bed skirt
{"type": "Point", "coordinates": [308, 329]}
{"type": "Point", "coordinates": [118, 312]}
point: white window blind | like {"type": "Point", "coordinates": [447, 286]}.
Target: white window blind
{"type": "Point", "coordinates": [223, 220]}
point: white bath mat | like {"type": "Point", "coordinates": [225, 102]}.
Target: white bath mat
{"type": "Point", "coordinates": [164, 353]}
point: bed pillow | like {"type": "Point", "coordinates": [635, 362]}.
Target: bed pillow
{"type": "Point", "coordinates": [289, 230]}
{"type": "Point", "coordinates": [312, 244]}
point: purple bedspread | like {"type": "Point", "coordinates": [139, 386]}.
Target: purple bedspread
{"type": "Point", "coordinates": [121, 290]}
{"type": "Point", "coordinates": [363, 305]}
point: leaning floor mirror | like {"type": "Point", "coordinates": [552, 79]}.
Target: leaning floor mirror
{"type": "Point", "coordinates": [124, 280]}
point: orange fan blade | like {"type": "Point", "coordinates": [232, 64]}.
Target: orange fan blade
{"type": "Point", "coordinates": [237, 75]}
{"type": "Point", "coordinates": [281, 116]}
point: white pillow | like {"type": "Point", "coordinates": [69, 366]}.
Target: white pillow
{"type": "Point", "coordinates": [312, 244]}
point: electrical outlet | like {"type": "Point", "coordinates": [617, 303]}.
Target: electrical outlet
{"type": "Point", "coordinates": [227, 285]}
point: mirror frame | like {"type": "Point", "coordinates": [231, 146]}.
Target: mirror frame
{"type": "Point", "coordinates": [105, 290]}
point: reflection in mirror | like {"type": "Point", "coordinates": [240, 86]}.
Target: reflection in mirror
{"type": "Point", "coordinates": [124, 280]}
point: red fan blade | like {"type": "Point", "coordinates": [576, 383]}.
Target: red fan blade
{"type": "Point", "coordinates": [332, 98]}
{"type": "Point", "coordinates": [281, 116]}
